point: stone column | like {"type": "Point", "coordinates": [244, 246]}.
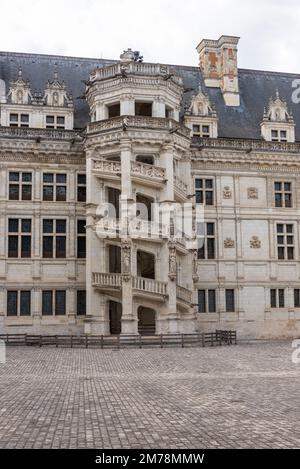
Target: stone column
{"type": "Point", "coordinates": [129, 319]}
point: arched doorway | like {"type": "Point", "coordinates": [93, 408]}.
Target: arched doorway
{"type": "Point", "coordinates": [146, 321]}
{"type": "Point", "coordinates": [115, 315]}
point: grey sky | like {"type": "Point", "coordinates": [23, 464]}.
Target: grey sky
{"type": "Point", "coordinates": [163, 30]}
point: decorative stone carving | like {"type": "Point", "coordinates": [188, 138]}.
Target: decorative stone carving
{"type": "Point", "coordinates": [172, 262]}
{"type": "Point", "coordinates": [255, 242]}
{"type": "Point", "coordinates": [228, 243]}
{"type": "Point", "coordinates": [227, 193]}
{"type": "Point", "coordinates": [252, 193]}
{"type": "Point", "coordinates": [126, 260]}
{"type": "Point", "coordinates": [195, 267]}
{"type": "Point", "coordinates": [201, 106]}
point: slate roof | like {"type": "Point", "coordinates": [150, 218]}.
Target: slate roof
{"type": "Point", "coordinates": [256, 87]}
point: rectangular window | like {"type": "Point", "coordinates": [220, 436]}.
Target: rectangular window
{"type": "Point", "coordinates": [199, 130]}
{"type": "Point", "coordinates": [20, 186]}
{"type": "Point", "coordinates": [55, 122]}
{"type": "Point", "coordinates": [18, 120]}
{"type": "Point", "coordinates": [206, 240]}
{"type": "Point", "coordinates": [229, 299]}
{"type": "Point", "coordinates": [283, 194]}
{"type": "Point", "coordinates": [81, 302]}
{"type": "Point", "coordinates": [143, 109]}
{"type": "Point", "coordinates": [296, 297]}
{"type": "Point", "coordinates": [81, 240]}
{"type": "Point", "coordinates": [18, 303]}
{"type": "Point", "coordinates": [54, 238]}
{"type": "Point", "coordinates": [60, 302]}
{"type": "Point", "coordinates": [277, 298]}
{"type": "Point", "coordinates": [81, 187]}
{"type": "Point", "coordinates": [54, 187]}
{"type": "Point", "coordinates": [54, 302]}
{"type": "Point", "coordinates": [19, 237]}
{"type": "Point", "coordinates": [279, 135]}
{"type": "Point", "coordinates": [285, 241]}
{"type": "Point", "coordinates": [204, 191]}
{"type": "Point", "coordinates": [206, 301]}
{"type": "Point", "coordinates": [47, 305]}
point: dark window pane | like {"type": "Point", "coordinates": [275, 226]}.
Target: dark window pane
{"type": "Point", "coordinates": [13, 242]}
{"type": "Point", "coordinates": [60, 246]}
{"type": "Point", "coordinates": [199, 183]}
{"type": "Point", "coordinates": [279, 228]}
{"type": "Point", "coordinates": [229, 295]}
{"type": "Point", "coordinates": [208, 183]}
{"type": "Point", "coordinates": [290, 253]}
{"type": "Point", "coordinates": [201, 253]}
{"type": "Point", "coordinates": [81, 247]}
{"type": "Point", "coordinates": [281, 298]}
{"type": "Point", "coordinates": [12, 303]}
{"type": "Point", "coordinates": [13, 192]}
{"type": "Point", "coordinates": [211, 301]}
{"type": "Point", "coordinates": [210, 248]}
{"type": "Point", "coordinates": [60, 226]}
{"type": "Point", "coordinates": [47, 226]}
{"type": "Point", "coordinates": [48, 177]}
{"type": "Point", "coordinates": [81, 302]}
{"type": "Point", "coordinates": [26, 246]}
{"type": "Point", "coordinates": [26, 177]}
{"type": "Point", "coordinates": [26, 226]}
{"type": "Point", "coordinates": [209, 198]}
{"type": "Point", "coordinates": [50, 119]}
{"type": "Point", "coordinates": [60, 120]}
{"type": "Point", "coordinates": [289, 228]}
{"type": "Point", "coordinates": [210, 229]}
{"type": "Point", "coordinates": [273, 297]}
{"type": "Point", "coordinates": [14, 176]}
{"type": "Point", "coordinates": [297, 298]}
{"type": "Point", "coordinates": [199, 197]}
{"type": "Point", "coordinates": [47, 308]}
{"type": "Point", "coordinates": [47, 246]}
{"type": "Point", "coordinates": [280, 251]}
{"type": "Point", "coordinates": [24, 117]}
{"type": "Point", "coordinates": [25, 303]}
{"type": "Point", "coordinates": [288, 200]}
{"type": "Point", "coordinates": [287, 186]}
{"type": "Point", "coordinates": [278, 200]}
{"type": "Point", "coordinates": [13, 225]}
{"type": "Point", "coordinates": [61, 178]}
{"type": "Point", "coordinates": [26, 192]}
{"type": "Point", "coordinates": [48, 193]}
{"type": "Point", "coordinates": [81, 226]}
{"type": "Point", "coordinates": [277, 186]}
{"type": "Point", "coordinates": [60, 302]}
{"type": "Point", "coordinates": [61, 193]}
{"type": "Point", "coordinates": [280, 239]}
{"type": "Point", "coordinates": [81, 178]}
{"type": "Point", "coordinates": [201, 301]}
{"type": "Point", "coordinates": [81, 194]}
{"type": "Point", "coordinates": [290, 239]}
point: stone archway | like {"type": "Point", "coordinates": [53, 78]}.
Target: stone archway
{"type": "Point", "coordinates": [146, 321]}
{"type": "Point", "coordinates": [115, 315]}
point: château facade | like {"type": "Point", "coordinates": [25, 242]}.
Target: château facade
{"type": "Point", "coordinates": [83, 141]}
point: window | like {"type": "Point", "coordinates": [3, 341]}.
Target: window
{"type": "Point", "coordinates": [206, 301]}
{"type": "Point", "coordinates": [81, 302]}
{"type": "Point", "coordinates": [278, 135]}
{"type": "Point", "coordinates": [18, 303]}
{"type": "Point", "coordinates": [204, 191]}
{"type": "Point", "coordinates": [283, 194]}
{"type": "Point", "coordinates": [81, 187]}
{"type": "Point", "coordinates": [19, 237]}
{"type": "Point", "coordinates": [296, 297]}
{"type": "Point", "coordinates": [20, 185]}
{"type": "Point", "coordinates": [54, 238]}
{"type": "Point", "coordinates": [229, 301]}
{"type": "Point", "coordinates": [143, 109]}
{"type": "Point", "coordinates": [285, 241]}
{"type": "Point", "coordinates": [53, 302]}
{"type": "Point", "coordinates": [200, 130]}
{"type": "Point", "coordinates": [18, 120]}
{"type": "Point", "coordinates": [55, 122]}
{"type": "Point", "coordinates": [54, 187]}
{"type": "Point", "coordinates": [81, 241]}
{"type": "Point", "coordinates": [277, 297]}
{"type": "Point", "coordinates": [206, 240]}
{"type": "Point", "coordinates": [114, 110]}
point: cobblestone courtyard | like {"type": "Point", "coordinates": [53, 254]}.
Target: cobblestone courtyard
{"type": "Point", "coordinates": [234, 397]}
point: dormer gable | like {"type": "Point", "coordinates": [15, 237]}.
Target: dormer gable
{"type": "Point", "coordinates": [278, 123]}
{"type": "Point", "coordinates": [19, 90]}
{"type": "Point", "coordinates": [201, 116]}
{"type": "Point", "coordinates": [56, 93]}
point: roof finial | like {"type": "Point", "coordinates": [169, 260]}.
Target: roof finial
{"type": "Point", "coordinates": [277, 93]}
{"type": "Point", "coordinates": [55, 73]}
{"type": "Point", "coordinates": [20, 72]}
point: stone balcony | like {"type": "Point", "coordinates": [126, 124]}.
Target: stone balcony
{"type": "Point", "coordinates": [138, 123]}
{"type": "Point", "coordinates": [184, 295]}
{"type": "Point", "coordinates": [147, 285]}
{"type": "Point", "coordinates": [39, 134]}
{"type": "Point", "coordinates": [246, 145]}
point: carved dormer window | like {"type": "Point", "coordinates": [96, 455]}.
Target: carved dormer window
{"type": "Point", "coordinates": [19, 90]}
{"type": "Point", "coordinates": [201, 117]}
{"type": "Point", "coordinates": [56, 93]}
{"type": "Point", "coordinates": [278, 124]}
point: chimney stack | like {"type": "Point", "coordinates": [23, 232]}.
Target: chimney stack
{"type": "Point", "coordinates": [218, 64]}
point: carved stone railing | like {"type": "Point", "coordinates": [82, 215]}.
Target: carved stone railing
{"type": "Point", "coordinates": [245, 144]}
{"type": "Point", "coordinates": [184, 294]}
{"type": "Point", "coordinates": [107, 166]}
{"type": "Point", "coordinates": [148, 171]}
{"type": "Point", "coordinates": [102, 279]}
{"type": "Point", "coordinates": [180, 186]}
{"type": "Point", "coordinates": [149, 285]}
{"type": "Point", "coordinates": [139, 122]}
{"type": "Point", "coordinates": [45, 134]}
{"type": "Point", "coordinates": [136, 68]}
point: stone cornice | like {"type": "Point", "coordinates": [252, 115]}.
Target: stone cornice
{"type": "Point", "coordinates": [246, 145]}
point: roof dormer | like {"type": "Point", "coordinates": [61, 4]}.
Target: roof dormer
{"type": "Point", "coordinates": [19, 90]}
{"type": "Point", "coordinates": [278, 124]}
{"type": "Point", "coordinates": [56, 93]}
{"type": "Point", "coordinates": [201, 117]}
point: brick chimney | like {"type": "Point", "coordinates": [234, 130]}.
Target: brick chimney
{"type": "Point", "coordinates": [218, 64]}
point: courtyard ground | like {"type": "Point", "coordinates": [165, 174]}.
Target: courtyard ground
{"type": "Point", "coordinates": [242, 396]}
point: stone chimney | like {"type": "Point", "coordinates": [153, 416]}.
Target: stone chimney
{"type": "Point", "coordinates": [218, 64]}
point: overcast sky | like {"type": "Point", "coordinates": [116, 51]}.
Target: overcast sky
{"type": "Point", "coordinates": [163, 30]}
